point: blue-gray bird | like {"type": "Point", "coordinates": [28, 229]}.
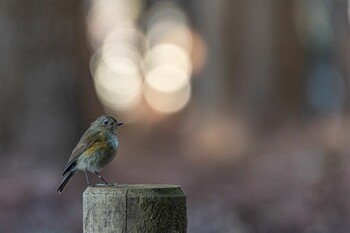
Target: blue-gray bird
{"type": "Point", "coordinates": [96, 148]}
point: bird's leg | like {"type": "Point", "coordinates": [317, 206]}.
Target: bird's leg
{"type": "Point", "coordinates": [99, 176]}
{"type": "Point", "coordinates": [87, 178]}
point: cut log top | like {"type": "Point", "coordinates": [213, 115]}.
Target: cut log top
{"type": "Point", "coordinates": [150, 208]}
{"type": "Point", "coordinates": [136, 190]}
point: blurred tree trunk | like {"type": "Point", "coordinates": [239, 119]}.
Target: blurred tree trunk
{"type": "Point", "coordinates": [250, 57]}
{"type": "Point", "coordinates": [291, 63]}
{"type": "Point", "coordinates": [340, 22]}
{"type": "Point", "coordinates": [208, 20]}
{"type": "Point", "coordinates": [44, 76]}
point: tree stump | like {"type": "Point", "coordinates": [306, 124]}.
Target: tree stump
{"type": "Point", "coordinates": [134, 208]}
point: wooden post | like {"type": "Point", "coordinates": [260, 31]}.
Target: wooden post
{"type": "Point", "coordinates": [134, 209]}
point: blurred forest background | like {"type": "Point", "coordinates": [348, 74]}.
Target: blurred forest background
{"type": "Point", "coordinates": [245, 104]}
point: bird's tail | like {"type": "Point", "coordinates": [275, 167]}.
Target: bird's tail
{"type": "Point", "coordinates": [64, 182]}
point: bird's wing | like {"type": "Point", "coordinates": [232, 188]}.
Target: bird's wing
{"type": "Point", "coordinates": [89, 138]}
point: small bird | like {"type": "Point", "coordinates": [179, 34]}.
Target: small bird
{"type": "Point", "coordinates": [96, 148]}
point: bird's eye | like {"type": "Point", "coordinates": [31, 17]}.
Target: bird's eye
{"type": "Point", "coordinates": [105, 122]}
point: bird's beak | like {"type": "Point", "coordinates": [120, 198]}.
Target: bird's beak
{"type": "Point", "coordinates": [119, 124]}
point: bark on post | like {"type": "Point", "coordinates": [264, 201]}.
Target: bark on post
{"type": "Point", "coordinates": [135, 208]}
